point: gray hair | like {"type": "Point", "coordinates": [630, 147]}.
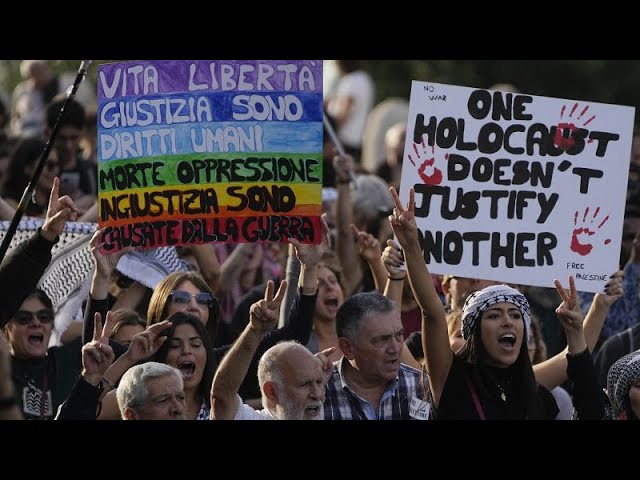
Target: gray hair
{"type": "Point", "coordinates": [352, 314]}
{"type": "Point", "coordinates": [270, 367]}
{"type": "Point", "coordinates": [370, 196]}
{"type": "Point", "coordinates": [133, 391]}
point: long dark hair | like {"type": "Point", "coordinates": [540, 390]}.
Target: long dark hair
{"type": "Point", "coordinates": [523, 382]}
{"type": "Point", "coordinates": [182, 318]}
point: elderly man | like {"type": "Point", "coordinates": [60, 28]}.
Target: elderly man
{"type": "Point", "coordinates": [151, 391]}
{"type": "Point", "coordinates": [291, 378]}
{"type": "Point", "coordinates": [369, 382]}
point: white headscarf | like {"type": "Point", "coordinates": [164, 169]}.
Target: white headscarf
{"type": "Point", "coordinates": [479, 301]}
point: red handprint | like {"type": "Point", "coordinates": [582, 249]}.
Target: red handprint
{"type": "Point", "coordinates": [564, 133]}
{"type": "Point", "coordinates": [582, 232]}
{"type": "Point", "coordinates": [429, 174]}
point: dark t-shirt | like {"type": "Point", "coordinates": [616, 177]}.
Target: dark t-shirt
{"type": "Point", "coordinates": [54, 375]}
{"type": "Point", "coordinates": [456, 401]}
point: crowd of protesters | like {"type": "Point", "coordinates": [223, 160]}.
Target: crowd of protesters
{"type": "Point", "coordinates": [355, 327]}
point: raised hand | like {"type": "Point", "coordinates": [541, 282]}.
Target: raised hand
{"type": "Point", "coordinates": [310, 254]}
{"type": "Point", "coordinates": [145, 344]}
{"type": "Point", "coordinates": [344, 168]}
{"type": "Point", "coordinates": [612, 290]}
{"type": "Point", "coordinates": [60, 211]}
{"type": "Point", "coordinates": [568, 311]}
{"type": "Point", "coordinates": [97, 355]}
{"type": "Point", "coordinates": [403, 221]}
{"type": "Point", "coordinates": [263, 314]}
{"type": "Point", "coordinates": [369, 245]}
{"type": "Point", "coordinates": [105, 263]}
{"type": "Point", "coordinates": [393, 260]}
{"type": "Point", "coordinates": [327, 365]}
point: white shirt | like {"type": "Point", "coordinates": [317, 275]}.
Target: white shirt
{"type": "Point", "coordinates": [358, 86]}
{"type": "Point", "coordinates": [245, 412]}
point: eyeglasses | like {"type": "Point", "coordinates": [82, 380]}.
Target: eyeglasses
{"type": "Point", "coordinates": [24, 317]}
{"type": "Point", "coordinates": [181, 297]}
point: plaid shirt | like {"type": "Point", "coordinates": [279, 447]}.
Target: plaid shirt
{"type": "Point", "coordinates": [342, 403]}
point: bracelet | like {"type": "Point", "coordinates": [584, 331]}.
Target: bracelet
{"type": "Point", "coordinates": [395, 279]}
{"type": "Point", "coordinates": [8, 402]}
{"type": "Point", "coordinates": [108, 383]}
{"type": "Point", "coordinates": [342, 182]}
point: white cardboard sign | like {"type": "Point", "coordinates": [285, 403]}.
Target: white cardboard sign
{"type": "Point", "coordinates": [517, 188]}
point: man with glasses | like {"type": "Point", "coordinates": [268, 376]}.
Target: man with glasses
{"type": "Point", "coordinates": [369, 382]}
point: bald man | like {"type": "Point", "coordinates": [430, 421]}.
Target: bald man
{"type": "Point", "coordinates": [292, 380]}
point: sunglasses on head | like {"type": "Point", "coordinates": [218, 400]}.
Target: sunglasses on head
{"type": "Point", "coordinates": [24, 317]}
{"type": "Point", "coordinates": [182, 297]}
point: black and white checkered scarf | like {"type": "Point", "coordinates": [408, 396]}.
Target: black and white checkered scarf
{"type": "Point", "coordinates": [479, 301]}
{"type": "Point", "coordinates": [619, 379]}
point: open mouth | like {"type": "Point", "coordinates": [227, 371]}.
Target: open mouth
{"type": "Point", "coordinates": [507, 341]}
{"type": "Point", "coordinates": [36, 339]}
{"type": "Point", "coordinates": [331, 302]}
{"type": "Point", "coordinates": [187, 369]}
{"type": "Point", "coordinates": [312, 411]}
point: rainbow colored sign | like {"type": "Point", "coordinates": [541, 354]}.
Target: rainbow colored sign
{"type": "Point", "coordinates": [209, 151]}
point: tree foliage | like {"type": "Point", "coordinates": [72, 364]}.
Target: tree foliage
{"type": "Point", "coordinates": [608, 81]}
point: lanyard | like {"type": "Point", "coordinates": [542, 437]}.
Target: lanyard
{"type": "Point", "coordinates": [476, 400]}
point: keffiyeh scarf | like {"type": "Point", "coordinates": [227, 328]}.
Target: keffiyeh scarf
{"type": "Point", "coordinates": [478, 302]}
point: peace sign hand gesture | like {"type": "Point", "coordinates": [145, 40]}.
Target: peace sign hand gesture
{"type": "Point", "coordinates": [403, 221]}
{"type": "Point", "coordinates": [97, 355]}
{"type": "Point", "coordinates": [263, 315]}
{"type": "Point", "coordinates": [570, 316]}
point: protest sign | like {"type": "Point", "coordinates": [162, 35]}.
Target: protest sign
{"type": "Point", "coordinates": [209, 151]}
{"type": "Point", "coordinates": [517, 188]}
